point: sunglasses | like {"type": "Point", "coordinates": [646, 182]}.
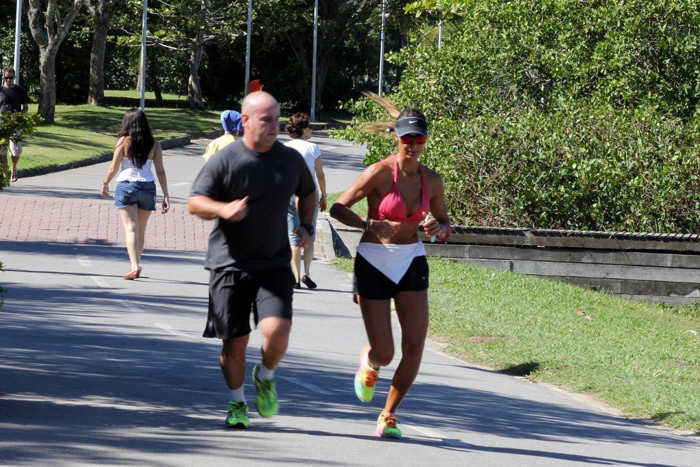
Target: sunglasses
{"type": "Point", "coordinates": [408, 139]}
{"type": "Point", "coordinates": [9, 77]}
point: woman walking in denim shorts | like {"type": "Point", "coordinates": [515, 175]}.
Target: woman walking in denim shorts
{"type": "Point", "coordinates": [135, 197]}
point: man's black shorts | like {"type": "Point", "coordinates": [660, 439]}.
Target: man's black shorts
{"type": "Point", "coordinates": [370, 282]}
{"type": "Point", "coordinates": [234, 294]}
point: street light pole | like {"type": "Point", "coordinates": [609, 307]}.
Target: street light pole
{"type": "Point", "coordinates": [440, 35]}
{"type": "Point", "coordinates": [18, 30]}
{"type": "Point", "coordinates": [247, 46]}
{"type": "Point", "coordinates": [381, 51]}
{"type": "Point", "coordinates": [313, 65]}
{"type": "Point", "coordinates": [144, 32]}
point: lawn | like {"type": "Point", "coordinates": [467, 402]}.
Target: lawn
{"type": "Point", "coordinates": [641, 358]}
{"type": "Point", "coordinates": [83, 131]}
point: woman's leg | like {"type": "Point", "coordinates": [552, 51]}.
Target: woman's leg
{"type": "Point", "coordinates": [296, 263]}
{"type": "Point", "coordinates": [376, 315]}
{"type": "Point", "coordinates": [412, 310]}
{"type": "Point", "coordinates": [129, 216]}
{"type": "Point", "coordinates": [308, 256]}
{"type": "Point", "coordinates": [142, 222]}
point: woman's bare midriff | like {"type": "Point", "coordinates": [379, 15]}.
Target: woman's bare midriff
{"type": "Point", "coordinates": [406, 233]}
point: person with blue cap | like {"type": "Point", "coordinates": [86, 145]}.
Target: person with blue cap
{"type": "Point", "coordinates": [231, 122]}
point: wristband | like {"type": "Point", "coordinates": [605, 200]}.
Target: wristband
{"type": "Point", "coordinates": [309, 228]}
{"type": "Point", "coordinates": [447, 235]}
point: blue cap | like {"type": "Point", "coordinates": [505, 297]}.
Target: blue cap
{"type": "Point", "coordinates": [231, 121]}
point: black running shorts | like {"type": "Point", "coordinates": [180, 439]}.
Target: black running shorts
{"type": "Point", "coordinates": [234, 294]}
{"type": "Point", "coordinates": [370, 282]}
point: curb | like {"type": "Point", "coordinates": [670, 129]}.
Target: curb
{"type": "Point", "coordinates": [169, 143]}
{"type": "Point", "coordinates": [333, 245]}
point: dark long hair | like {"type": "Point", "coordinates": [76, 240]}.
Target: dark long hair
{"type": "Point", "coordinates": [135, 126]}
{"type": "Point", "coordinates": [297, 124]}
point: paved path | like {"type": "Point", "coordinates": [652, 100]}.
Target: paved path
{"type": "Point", "coordinates": [97, 370]}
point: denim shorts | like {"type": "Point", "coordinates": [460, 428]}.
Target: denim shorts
{"type": "Point", "coordinates": [142, 194]}
{"type": "Point", "coordinates": [293, 222]}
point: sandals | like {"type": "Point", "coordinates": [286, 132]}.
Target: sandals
{"type": "Point", "coordinates": [13, 177]}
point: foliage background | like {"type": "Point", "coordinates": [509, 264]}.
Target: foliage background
{"type": "Point", "coordinates": [557, 114]}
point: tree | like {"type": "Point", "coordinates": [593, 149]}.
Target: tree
{"type": "Point", "coordinates": [49, 29]}
{"type": "Point", "coordinates": [101, 11]}
{"type": "Point", "coordinates": [188, 25]}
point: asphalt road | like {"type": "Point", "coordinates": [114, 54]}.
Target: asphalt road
{"type": "Point", "coordinates": [98, 370]}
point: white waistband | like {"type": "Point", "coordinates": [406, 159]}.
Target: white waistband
{"type": "Point", "coordinates": [392, 260]}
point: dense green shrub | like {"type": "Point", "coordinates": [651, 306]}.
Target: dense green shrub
{"type": "Point", "coordinates": [558, 114]}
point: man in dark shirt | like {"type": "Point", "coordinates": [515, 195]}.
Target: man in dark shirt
{"type": "Point", "coordinates": [13, 98]}
{"type": "Point", "coordinates": [246, 187]}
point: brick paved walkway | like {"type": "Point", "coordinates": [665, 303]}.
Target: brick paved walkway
{"type": "Point", "coordinates": [41, 219]}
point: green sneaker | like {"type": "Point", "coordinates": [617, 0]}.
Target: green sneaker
{"type": "Point", "coordinates": [237, 415]}
{"type": "Point", "coordinates": [365, 377]}
{"type": "Point", "coordinates": [387, 426]}
{"type": "Point", "coordinates": [267, 395]}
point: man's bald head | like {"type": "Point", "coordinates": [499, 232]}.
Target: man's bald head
{"type": "Point", "coordinates": [260, 115]}
{"type": "Point", "coordinates": [256, 99]}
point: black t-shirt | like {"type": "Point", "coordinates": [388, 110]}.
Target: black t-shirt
{"type": "Point", "coordinates": [12, 99]}
{"type": "Point", "coordinates": [269, 179]}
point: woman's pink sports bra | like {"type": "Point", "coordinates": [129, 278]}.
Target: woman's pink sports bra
{"type": "Point", "coordinates": [393, 207]}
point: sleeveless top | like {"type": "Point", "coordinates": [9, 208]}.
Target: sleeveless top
{"type": "Point", "coordinates": [393, 206]}
{"type": "Point", "coordinates": [131, 173]}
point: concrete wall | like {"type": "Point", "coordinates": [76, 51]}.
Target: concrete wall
{"type": "Point", "coordinates": [652, 267]}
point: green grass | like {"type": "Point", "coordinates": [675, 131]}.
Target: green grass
{"type": "Point", "coordinates": [360, 208]}
{"type": "Point", "coordinates": [83, 131]}
{"type": "Point", "coordinates": [638, 357]}
{"type": "Point", "coordinates": [132, 94]}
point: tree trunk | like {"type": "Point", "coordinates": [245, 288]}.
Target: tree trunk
{"type": "Point", "coordinates": [49, 30]}
{"type": "Point", "coordinates": [153, 76]}
{"type": "Point", "coordinates": [194, 88]}
{"type": "Point", "coordinates": [47, 67]}
{"type": "Point", "coordinates": [101, 13]}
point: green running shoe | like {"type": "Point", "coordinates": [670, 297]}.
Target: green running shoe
{"type": "Point", "coordinates": [237, 415]}
{"type": "Point", "coordinates": [387, 426]}
{"type": "Point", "coordinates": [267, 395]}
{"type": "Point", "coordinates": [365, 378]}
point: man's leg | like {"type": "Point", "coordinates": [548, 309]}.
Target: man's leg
{"type": "Point", "coordinates": [275, 332]}
{"type": "Point", "coordinates": [233, 367]}
{"type": "Point", "coordinates": [233, 361]}
{"type": "Point", "coordinates": [274, 310]}
{"type": "Point", "coordinates": [15, 152]}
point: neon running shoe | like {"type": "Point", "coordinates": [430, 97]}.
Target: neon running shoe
{"type": "Point", "coordinates": [237, 415]}
{"type": "Point", "coordinates": [267, 395]}
{"type": "Point", "coordinates": [387, 426]}
{"type": "Point", "coordinates": [366, 377]}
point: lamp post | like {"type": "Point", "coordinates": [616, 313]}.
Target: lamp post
{"type": "Point", "coordinates": [247, 46]}
{"type": "Point", "coordinates": [381, 51]}
{"type": "Point", "coordinates": [144, 32]}
{"type": "Point", "coordinates": [18, 30]}
{"type": "Point", "coordinates": [313, 64]}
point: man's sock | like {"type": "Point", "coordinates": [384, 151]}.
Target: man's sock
{"type": "Point", "coordinates": [264, 373]}
{"type": "Point", "coordinates": [238, 395]}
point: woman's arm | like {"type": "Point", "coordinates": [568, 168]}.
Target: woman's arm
{"type": "Point", "coordinates": [365, 184]}
{"type": "Point", "coordinates": [321, 177]}
{"type": "Point", "coordinates": [114, 166]}
{"type": "Point", "coordinates": [162, 178]}
{"type": "Point", "coordinates": [439, 225]}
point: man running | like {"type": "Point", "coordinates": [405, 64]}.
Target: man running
{"type": "Point", "coordinates": [13, 98]}
{"type": "Point", "coordinates": [246, 187]}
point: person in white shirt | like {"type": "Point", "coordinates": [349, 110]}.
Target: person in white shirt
{"type": "Point", "coordinates": [298, 129]}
